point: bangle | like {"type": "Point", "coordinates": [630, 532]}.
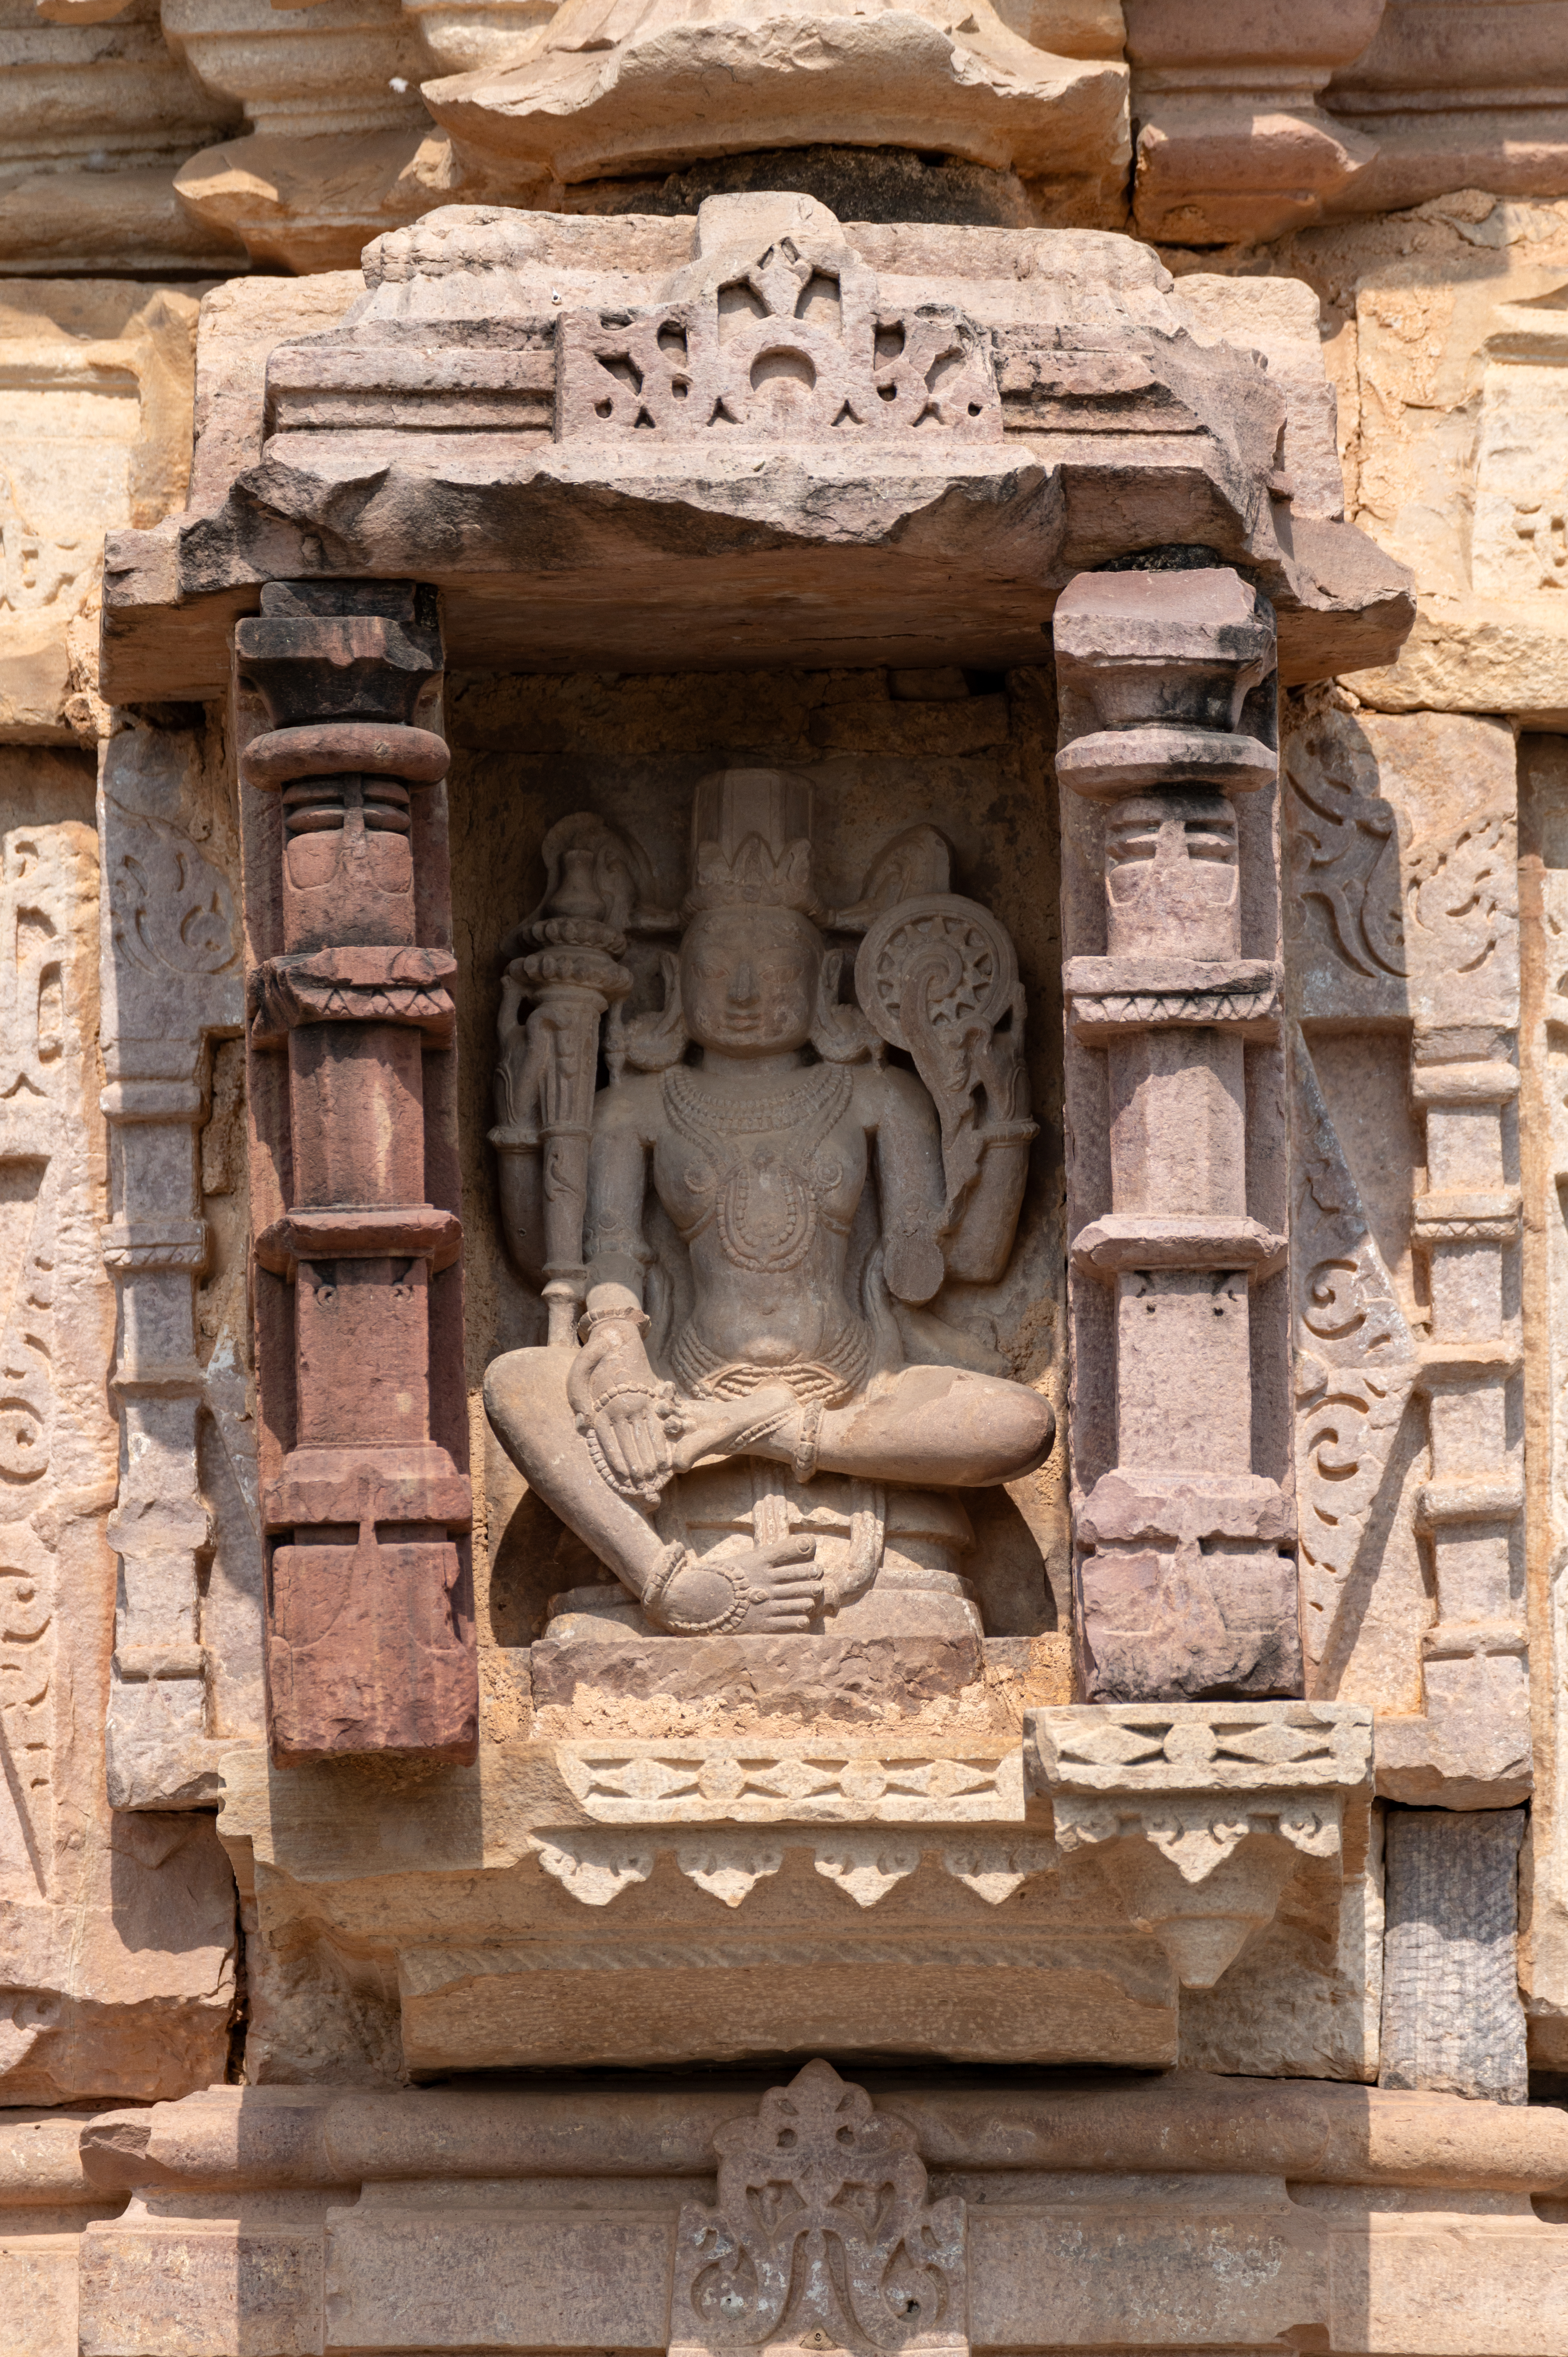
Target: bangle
{"type": "Point", "coordinates": [627, 1391]}
{"type": "Point", "coordinates": [677, 1558]}
{"type": "Point", "coordinates": [805, 1464]}
{"type": "Point", "coordinates": [624, 1314]}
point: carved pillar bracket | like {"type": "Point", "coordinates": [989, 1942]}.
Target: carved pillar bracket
{"type": "Point", "coordinates": [357, 1240]}
{"type": "Point", "coordinates": [1176, 1122]}
{"type": "Point", "coordinates": [1199, 1814]}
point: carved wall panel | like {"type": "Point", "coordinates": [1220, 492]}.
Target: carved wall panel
{"type": "Point", "coordinates": [95, 412]}
{"type": "Point", "coordinates": [1451, 403]}
{"type": "Point", "coordinates": [186, 1673]}
{"type": "Point", "coordinates": [118, 1932]}
{"type": "Point", "coordinates": [1403, 958]}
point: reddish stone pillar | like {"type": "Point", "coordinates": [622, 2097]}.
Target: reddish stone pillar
{"type": "Point", "coordinates": [362, 1414]}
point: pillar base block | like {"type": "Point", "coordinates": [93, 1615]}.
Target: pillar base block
{"type": "Point", "coordinates": [369, 1650]}
{"type": "Point", "coordinates": [1187, 1596]}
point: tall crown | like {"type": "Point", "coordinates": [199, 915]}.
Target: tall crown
{"type": "Point", "coordinates": [751, 842]}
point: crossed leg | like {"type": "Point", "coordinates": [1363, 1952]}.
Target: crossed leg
{"type": "Point", "coordinates": [525, 1398]}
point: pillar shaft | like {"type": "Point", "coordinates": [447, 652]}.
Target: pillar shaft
{"type": "Point", "coordinates": [1186, 1577]}
{"type": "Point", "coordinates": [365, 1491]}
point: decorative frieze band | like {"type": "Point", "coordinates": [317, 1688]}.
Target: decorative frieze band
{"type": "Point", "coordinates": [764, 1784]}
{"type": "Point", "coordinates": [354, 986]}
{"type": "Point", "coordinates": [1109, 995]}
{"type": "Point", "coordinates": [137, 1247]}
{"type": "Point", "coordinates": [596, 1867]}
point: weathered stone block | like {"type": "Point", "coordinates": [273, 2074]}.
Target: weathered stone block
{"type": "Point", "coordinates": [1451, 2015]}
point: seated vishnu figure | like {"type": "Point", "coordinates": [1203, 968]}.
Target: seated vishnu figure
{"type": "Point", "coordinates": [809, 1197]}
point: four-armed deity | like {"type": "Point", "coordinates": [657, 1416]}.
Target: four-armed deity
{"type": "Point", "coordinates": [751, 1406]}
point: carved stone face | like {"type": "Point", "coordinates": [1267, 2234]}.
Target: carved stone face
{"type": "Point", "coordinates": [749, 980]}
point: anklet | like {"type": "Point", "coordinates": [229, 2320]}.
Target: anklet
{"type": "Point", "coordinates": [677, 1558]}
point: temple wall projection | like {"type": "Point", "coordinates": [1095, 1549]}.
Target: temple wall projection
{"type": "Point", "coordinates": [783, 1142]}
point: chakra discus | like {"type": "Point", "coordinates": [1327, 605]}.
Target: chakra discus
{"type": "Point", "coordinates": [951, 953]}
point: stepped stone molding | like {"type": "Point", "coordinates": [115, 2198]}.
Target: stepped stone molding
{"type": "Point", "coordinates": [339, 147]}
{"type": "Point", "coordinates": [187, 1674]}
{"type": "Point", "coordinates": [1232, 142]}
{"type": "Point", "coordinates": [1466, 96]}
{"type": "Point", "coordinates": [1199, 1814]}
{"type": "Point", "coordinates": [1184, 1580]}
{"type": "Point", "coordinates": [365, 1498]}
{"type": "Point", "coordinates": [457, 2219]}
{"type": "Point", "coordinates": [458, 351]}
{"type": "Point", "coordinates": [95, 118]}
{"type": "Point", "coordinates": [596, 97]}
{"type": "Point", "coordinates": [1248, 128]}
{"type": "Point", "coordinates": [330, 72]}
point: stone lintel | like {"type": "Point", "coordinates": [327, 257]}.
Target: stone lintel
{"type": "Point", "coordinates": [553, 2220]}
{"type": "Point", "coordinates": [491, 440]}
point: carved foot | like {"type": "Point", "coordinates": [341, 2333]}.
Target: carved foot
{"type": "Point", "coordinates": [767, 1591]}
{"type": "Point", "coordinates": [727, 1427]}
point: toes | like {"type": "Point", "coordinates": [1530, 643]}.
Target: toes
{"type": "Point", "coordinates": [796, 1550]}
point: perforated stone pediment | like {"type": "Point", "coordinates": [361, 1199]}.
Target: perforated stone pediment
{"type": "Point", "coordinates": [589, 435]}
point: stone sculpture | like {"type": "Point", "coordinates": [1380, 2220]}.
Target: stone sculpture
{"type": "Point", "coordinates": [776, 401]}
{"type": "Point", "coordinates": [767, 1419]}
